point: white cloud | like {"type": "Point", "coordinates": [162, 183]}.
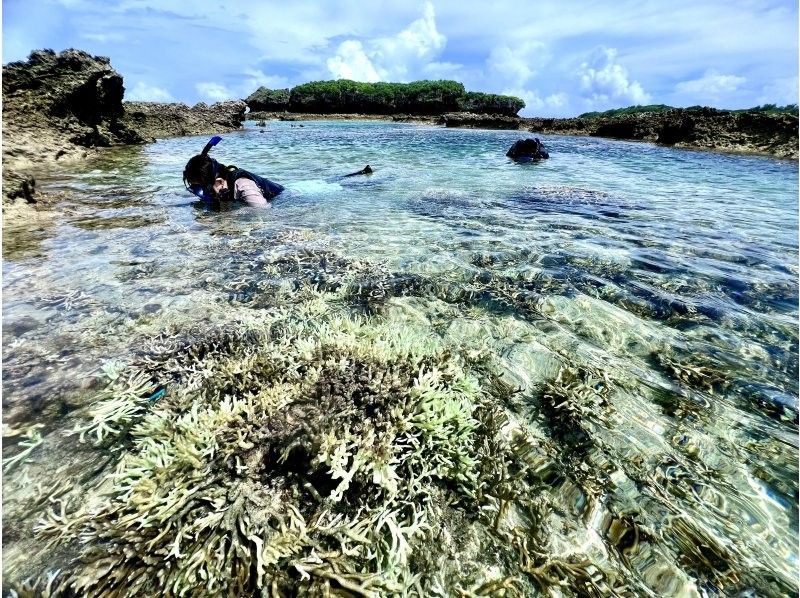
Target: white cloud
{"type": "Point", "coordinates": [443, 70]}
{"type": "Point", "coordinates": [142, 92]}
{"type": "Point", "coordinates": [393, 58]}
{"type": "Point", "coordinates": [257, 78]}
{"type": "Point", "coordinates": [535, 103]}
{"type": "Point", "coordinates": [605, 80]}
{"type": "Point", "coordinates": [711, 85]}
{"type": "Point", "coordinates": [214, 91]}
{"type": "Point", "coordinates": [557, 100]}
{"type": "Point", "coordinates": [517, 65]}
{"type": "Point", "coordinates": [420, 40]}
{"type": "Point", "coordinates": [781, 91]}
{"type": "Point", "coordinates": [351, 62]}
{"type": "Point", "coordinates": [104, 38]}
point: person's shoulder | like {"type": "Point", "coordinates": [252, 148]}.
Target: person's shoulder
{"type": "Point", "coordinates": [245, 183]}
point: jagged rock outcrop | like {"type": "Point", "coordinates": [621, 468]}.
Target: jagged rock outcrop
{"type": "Point", "coordinates": [268, 100]}
{"type": "Point", "coordinates": [479, 121]}
{"type": "Point", "coordinates": [705, 128]}
{"type": "Point", "coordinates": [153, 120]}
{"type": "Point", "coordinates": [54, 105]}
{"type": "Point", "coordinates": [58, 107]}
{"type": "Point", "coordinates": [527, 150]}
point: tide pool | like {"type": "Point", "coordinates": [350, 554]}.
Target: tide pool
{"type": "Point", "coordinates": [581, 369]}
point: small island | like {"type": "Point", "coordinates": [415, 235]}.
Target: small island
{"type": "Point", "coordinates": [419, 98]}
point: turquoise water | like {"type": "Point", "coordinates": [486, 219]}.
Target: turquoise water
{"type": "Point", "coordinates": [674, 272]}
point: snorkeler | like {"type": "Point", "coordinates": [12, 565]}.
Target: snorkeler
{"type": "Point", "coordinates": [215, 183]}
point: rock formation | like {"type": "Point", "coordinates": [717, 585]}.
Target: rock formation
{"type": "Point", "coordinates": [57, 107]}
{"type": "Point", "coordinates": [153, 120]}
{"type": "Point", "coordinates": [527, 150]}
{"type": "Point", "coordinates": [705, 128]}
{"type": "Point", "coordinates": [268, 100]}
{"type": "Point", "coordinates": [479, 121]}
{"type": "Point", "coordinates": [56, 104]}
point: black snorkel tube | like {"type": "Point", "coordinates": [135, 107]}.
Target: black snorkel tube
{"type": "Point", "coordinates": [205, 193]}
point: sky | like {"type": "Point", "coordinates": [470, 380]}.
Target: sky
{"type": "Point", "coordinates": [561, 57]}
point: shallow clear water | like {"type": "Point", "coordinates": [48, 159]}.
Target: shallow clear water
{"type": "Point", "coordinates": [675, 272]}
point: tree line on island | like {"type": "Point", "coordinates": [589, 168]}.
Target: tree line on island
{"type": "Point", "coordinates": [638, 109]}
{"type": "Point", "coordinates": [344, 96]}
{"type": "Point", "coordinates": [427, 98]}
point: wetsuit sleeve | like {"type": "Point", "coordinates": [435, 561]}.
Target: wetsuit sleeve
{"type": "Point", "coordinates": [273, 188]}
{"type": "Point", "coordinates": [248, 192]}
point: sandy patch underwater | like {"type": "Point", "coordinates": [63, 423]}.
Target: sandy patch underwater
{"type": "Point", "coordinates": [457, 374]}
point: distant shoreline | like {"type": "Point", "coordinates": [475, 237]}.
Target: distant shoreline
{"type": "Point", "coordinates": [744, 133]}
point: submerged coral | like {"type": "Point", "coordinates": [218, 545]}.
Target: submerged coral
{"type": "Point", "coordinates": [369, 432]}
{"type": "Point", "coordinates": [306, 456]}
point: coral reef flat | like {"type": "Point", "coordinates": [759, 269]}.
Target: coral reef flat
{"type": "Point", "coordinates": [456, 376]}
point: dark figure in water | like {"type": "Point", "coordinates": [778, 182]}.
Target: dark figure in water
{"type": "Point", "coordinates": [365, 170]}
{"type": "Point", "coordinates": [527, 150]}
{"type": "Point", "coordinates": [215, 183]}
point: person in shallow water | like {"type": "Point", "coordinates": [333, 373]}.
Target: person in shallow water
{"type": "Point", "coordinates": [215, 183]}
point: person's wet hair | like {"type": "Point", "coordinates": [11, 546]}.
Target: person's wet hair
{"type": "Point", "coordinates": [200, 169]}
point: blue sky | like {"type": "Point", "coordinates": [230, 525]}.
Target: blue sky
{"type": "Point", "coordinates": [562, 57]}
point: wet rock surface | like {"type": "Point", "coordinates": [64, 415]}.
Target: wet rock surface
{"type": "Point", "coordinates": [479, 121]}
{"type": "Point", "coordinates": [705, 128]}
{"type": "Point", "coordinates": [56, 105]}
{"type": "Point", "coordinates": [61, 107]}
{"type": "Point", "coordinates": [527, 150]}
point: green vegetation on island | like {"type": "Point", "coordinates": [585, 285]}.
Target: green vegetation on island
{"type": "Point", "coordinates": [765, 109]}
{"type": "Point", "coordinates": [346, 96]}
{"type": "Point", "coordinates": [772, 109]}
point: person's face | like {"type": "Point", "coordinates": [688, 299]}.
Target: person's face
{"type": "Point", "coordinates": [220, 184]}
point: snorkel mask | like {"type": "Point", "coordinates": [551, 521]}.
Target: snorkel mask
{"type": "Point", "coordinates": [206, 193]}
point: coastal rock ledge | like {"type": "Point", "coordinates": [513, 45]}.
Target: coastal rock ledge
{"type": "Point", "coordinates": [153, 120]}
{"type": "Point", "coordinates": [746, 132]}
{"type": "Point", "coordinates": [57, 107]}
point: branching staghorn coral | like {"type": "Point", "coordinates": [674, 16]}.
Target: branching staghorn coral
{"type": "Point", "coordinates": [325, 445]}
{"type": "Point", "coordinates": [314, 452]}
{"type": "Point", "coordinates": [571, 405]}
{"type": "Point", "coordinates": [118, 406]}
{"type": "Point", "coordinates": [32, 439]}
